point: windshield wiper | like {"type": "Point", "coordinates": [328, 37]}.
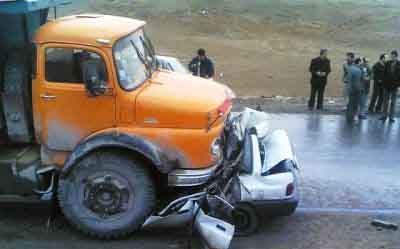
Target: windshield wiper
{"type": "Point", "coordinates": [142, 59]}
{"type": "Point", "coordinates": [150, 49]}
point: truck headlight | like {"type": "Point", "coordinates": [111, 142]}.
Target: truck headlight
{"type": "Point", "coordinates": [216, 148]}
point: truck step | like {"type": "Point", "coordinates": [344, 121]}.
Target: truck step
{"type": "Point", "coordinates": [24, 155]}
{"type": "Point", "coordinates": [18, 167]}
{"type": "Point", "coordinates": [17, 199]}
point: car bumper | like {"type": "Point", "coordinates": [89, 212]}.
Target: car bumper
{"type": "Point", "coordinates": [281, 207]}
{"type": "Point", "coordinates": [268, 208]}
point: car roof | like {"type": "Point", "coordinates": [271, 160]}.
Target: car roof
{"type": "Point", "coordinates": [87, 29]}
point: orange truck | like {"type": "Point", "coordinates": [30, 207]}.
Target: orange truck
{"type": "Point", "coordinates": [86, 115]}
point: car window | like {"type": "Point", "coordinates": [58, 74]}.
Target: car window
{"type": "Point", "coordinates": [66, 65]}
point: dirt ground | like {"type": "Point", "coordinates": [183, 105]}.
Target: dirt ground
{"type": "Point", "coordinates": [265, 49]}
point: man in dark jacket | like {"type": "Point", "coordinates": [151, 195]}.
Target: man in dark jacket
{"type": "Point", "coordinates": [201, 65]}
{"type": "Point", "coordinates": [391, 84]}
{"type": "Point", "coordinates": [377, 95]}
{"type": "Point", "coordinates": [320, 68]}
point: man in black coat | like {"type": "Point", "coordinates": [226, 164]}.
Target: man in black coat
{"type": "Point", "coordinates": [201, 65]}
{"type": "Point", "coordinates": [391, 84]}
{"type": "Point", "coordinates": [320, 68]}
{"type": "Point", "coordinates": [379, 75]}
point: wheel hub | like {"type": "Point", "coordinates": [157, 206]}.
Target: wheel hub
{"type": "Point", "coordinates": [241, 220]}
{"type": "Point", "coordinates": [106, 196]}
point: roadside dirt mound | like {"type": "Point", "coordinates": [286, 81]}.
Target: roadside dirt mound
{"type": "Point", "coordinates": [265, 53]}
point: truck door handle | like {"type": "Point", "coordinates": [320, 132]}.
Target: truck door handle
{"type": "Point", "coordinates": [48, 97]}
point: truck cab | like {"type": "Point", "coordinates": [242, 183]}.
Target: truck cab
{"type": "Point", "coordinates": [87, 116]}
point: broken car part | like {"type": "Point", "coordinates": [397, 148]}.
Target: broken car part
{"type": "Point", "coordinates": [384, 224]}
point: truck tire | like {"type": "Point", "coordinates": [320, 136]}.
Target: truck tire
{"type": "Point", "coordinates": [107, 195]}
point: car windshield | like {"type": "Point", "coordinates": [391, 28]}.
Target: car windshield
{"type": "Point", "coordinates": [134, 58]}
{"type": "Point", "coordinates": [178, 67]}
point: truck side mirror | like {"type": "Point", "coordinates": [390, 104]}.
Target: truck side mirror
{"type": "Point", "coordinates": [91, 77]}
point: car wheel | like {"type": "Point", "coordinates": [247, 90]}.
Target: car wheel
{"type": "Point", "coordinates": [245, 219]}
{"type": "Point", "coordinates": [107, 195]}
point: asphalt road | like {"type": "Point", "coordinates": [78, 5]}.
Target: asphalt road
{"type": "Point", "coordinates": [349, 176]}
{"type": "Point", "coordinates": [345, 166]}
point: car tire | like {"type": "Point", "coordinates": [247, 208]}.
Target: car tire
{"type": "Point", "coordinates": [291, 209]}
{"type": "Point", "coordinates": [107, 195]}
{"type": "Point", "coordinates": [245, 219]}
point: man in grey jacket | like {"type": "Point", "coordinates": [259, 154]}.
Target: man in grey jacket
{"type": "Point", "coordinates": [354, 77]}
{"type": "Point", "coordinates": [365, 87]}
{"type": "Point", "coordinates": [349, 61]}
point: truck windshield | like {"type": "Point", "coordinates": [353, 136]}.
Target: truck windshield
{"type": "Point", "coordinates": [134, 58]}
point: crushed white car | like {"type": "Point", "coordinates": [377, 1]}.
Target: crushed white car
{"type": "Point", "coordinates": [267, 183]}
{"type": "Point", "coordinates": [259, 176]}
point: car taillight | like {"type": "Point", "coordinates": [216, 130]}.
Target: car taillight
{"type": "Point", "coordinates": [289, 189]}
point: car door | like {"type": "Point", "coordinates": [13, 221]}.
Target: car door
{"type": "Point", "coordinates": [67, 112]}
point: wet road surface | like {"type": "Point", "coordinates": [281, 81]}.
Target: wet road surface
{"type": "Point", "coordinates": [345, 166]}
{"type": "Point", "coordinates": [350, 175]}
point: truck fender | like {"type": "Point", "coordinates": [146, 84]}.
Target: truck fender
{"type": "Point", "coordinates": [136, 144]}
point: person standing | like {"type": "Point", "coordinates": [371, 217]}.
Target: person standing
{"type": "Point", "coordinates": [202, 66]}
{"type": "Point", "coordinates": [365, 86]}
{"type": "Point", "coordinates": [378, 71]}
{"type": "Point", "coordinates": [354, 78]}
{"type": "Point", "coordinates": [320, 68]}
{"type": "Point", "coordinates": [391, 84]}
{"type": "Point", "coordinates": [349, 61]}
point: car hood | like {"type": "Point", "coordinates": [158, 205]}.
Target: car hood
{"type": "Point", "coordinates": [175, 100]}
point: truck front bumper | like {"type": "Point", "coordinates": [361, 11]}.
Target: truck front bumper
{"type": "Point", "coordinates": [192, 177]}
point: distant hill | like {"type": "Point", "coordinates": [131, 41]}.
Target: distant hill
{"type": "Point", "coordinates": [263, 47]}
{"type": "Point", "coordinates": [373, 15]}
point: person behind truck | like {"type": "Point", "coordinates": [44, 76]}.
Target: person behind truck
{"type": "Point", "coordinates": [354, 81]}
{"type": "Point", "coordinates": [202, 66]}
{"type": "Point", "coordinates": [391, 84]}
{"type": "Point", "coordinates": [320, 68]}
{"type": "Point", "coordinates": [349, 61]}
{"type": "Point", "coordinates": [378, 71]}
{"type": "Point", "coordinates": [365, 87]}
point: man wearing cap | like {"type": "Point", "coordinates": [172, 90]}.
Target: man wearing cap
{"type": "Point", "coordinates": [201, 65]}
{"type": "Point", "coordinates": [391, 84]}
{"type": "Point", "coordinates": [320, 68]}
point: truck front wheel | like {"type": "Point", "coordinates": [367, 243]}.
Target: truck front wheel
{"type": "Point", "coordinates": [107, 195]}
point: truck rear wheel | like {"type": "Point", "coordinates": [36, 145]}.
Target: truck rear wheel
{"type": "Point", "coordinates": [107, 195]}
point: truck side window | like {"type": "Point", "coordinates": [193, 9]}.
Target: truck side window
{"type": "Point", "coordinates": [64, 65]}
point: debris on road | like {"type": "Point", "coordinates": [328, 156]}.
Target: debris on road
{"type": "Point", "coordinates": [384, 224]}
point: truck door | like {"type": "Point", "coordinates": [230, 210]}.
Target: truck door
{"type": "Point", "coordinates": [67, 112]}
